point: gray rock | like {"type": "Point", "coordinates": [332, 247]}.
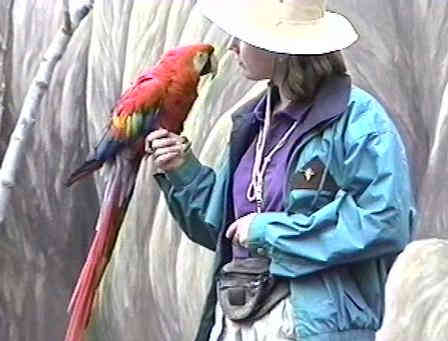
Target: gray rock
{"type": "Point", "coordinates": [416, 296]}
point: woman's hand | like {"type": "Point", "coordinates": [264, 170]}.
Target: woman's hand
{"type": "Point", "coordinates": [167, 149]}
{"type": "Point", "coordinates": [238, 231]}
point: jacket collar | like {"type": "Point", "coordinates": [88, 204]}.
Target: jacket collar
{"type": "Point", "coordinates": [330, 102]}
{"type": "Point", "coordinates": [331, 99]}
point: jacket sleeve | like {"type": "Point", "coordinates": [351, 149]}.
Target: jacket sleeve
{"type": "Point", "coordinates": [370, 217]}
{"type": "Point", "coordinates": [189, 194]}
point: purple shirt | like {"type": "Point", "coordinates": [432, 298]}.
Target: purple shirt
{"type": "Point", "coordinates": [275, 173]}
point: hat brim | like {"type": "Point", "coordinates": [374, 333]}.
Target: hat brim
{"type": "Point", "coordinates": [332, 32]}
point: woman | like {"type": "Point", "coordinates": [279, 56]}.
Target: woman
{"type": "Point", "coordinates": [315, 188]}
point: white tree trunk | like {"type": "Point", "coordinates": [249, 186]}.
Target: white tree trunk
{"type": "Point", "coordinates": [30, 110]}
{"type": "Point", "coordinates": [2, 80]}
{"type": "Point", "coordinates": [5, 33]}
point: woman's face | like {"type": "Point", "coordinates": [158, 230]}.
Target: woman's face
{"type": "Point", "coordinates": [257, 64]}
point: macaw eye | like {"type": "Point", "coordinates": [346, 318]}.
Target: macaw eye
{"type": "Point", "coordinates": [200, 60]}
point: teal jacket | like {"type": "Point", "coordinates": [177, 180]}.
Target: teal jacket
{"type": "Point", "coordinates": [335, 246]}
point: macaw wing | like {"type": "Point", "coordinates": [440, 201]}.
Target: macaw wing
{"type": "Point", "coordinates": [134, 116]}
{"type": "Point", "coordinates": [136, 112]}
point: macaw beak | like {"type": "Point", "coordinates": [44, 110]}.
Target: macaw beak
{"type": "Point", "coordinates": [211, 66]}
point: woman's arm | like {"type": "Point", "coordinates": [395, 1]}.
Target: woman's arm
{"type": "Point", "coordinates": [370, 217]}
{"type": "Point", "coordinates": [187, 186]}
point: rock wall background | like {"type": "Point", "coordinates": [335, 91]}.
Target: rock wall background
{"type": "Point", "coordinates": [155, 283]}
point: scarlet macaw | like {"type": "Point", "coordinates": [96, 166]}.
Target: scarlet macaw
{"type": "Point", "coordinates": [160, 97]}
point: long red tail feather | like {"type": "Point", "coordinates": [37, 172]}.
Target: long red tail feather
{"type": "Point", "coordinates": [116, 198]}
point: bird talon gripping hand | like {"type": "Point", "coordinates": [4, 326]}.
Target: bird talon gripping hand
{"type": "Point", "coordinates": [160, 98]}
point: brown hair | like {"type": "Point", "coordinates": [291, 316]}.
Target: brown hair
{"type": "Point", "coordinates": [305, 72]}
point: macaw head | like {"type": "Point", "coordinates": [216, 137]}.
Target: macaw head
{"type": "Point", "coordinates": [198, 58]}
{"type": "Point", "coordinates": [204, 61]}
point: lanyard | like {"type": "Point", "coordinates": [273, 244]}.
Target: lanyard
{"type": "Point", "coordinates": [261, 162]}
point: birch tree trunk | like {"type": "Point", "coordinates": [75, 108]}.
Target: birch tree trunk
{"type": "Point", "coordinates": [6, 38]}
{"type": "Point", "coordinates": [30, 110]}
{"type": "Point", "coordinates": [3, 50]}
{"type": "Point", "coordinates": [46, 233]}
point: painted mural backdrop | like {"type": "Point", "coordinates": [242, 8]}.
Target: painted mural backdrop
{"type": "Point", "coordinates": [155, 284]}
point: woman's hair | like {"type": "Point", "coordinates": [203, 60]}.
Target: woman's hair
{"type": "Point", "coordinates": [305, 72]}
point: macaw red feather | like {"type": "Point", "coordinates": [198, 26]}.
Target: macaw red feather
{"type": "Point", "coordinates": [168, 91]}
{"type": "Point", "coordinates": [113, 208]}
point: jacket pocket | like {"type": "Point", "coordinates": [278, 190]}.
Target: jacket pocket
{"type": "Point", "coordinates": [310, 187]}
{"type": "Point", "coordinates": [312, 175]}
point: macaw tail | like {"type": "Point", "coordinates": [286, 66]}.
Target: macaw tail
{"type": "Point", "coordinates": [116, 198]}
{"type": "Point", "coordinates": [87, 168]}
{"type": "Point", "coordinates": [106, 149]}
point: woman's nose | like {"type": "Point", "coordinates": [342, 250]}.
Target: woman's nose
{"type": "Point", "coordinates": [234, 45]}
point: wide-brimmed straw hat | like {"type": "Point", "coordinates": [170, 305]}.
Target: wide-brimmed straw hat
{"type": "Point", "coordinates": [284, 26]}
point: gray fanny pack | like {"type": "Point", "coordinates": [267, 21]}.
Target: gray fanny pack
{"type": "Point", "coordinates": [247, 290]}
